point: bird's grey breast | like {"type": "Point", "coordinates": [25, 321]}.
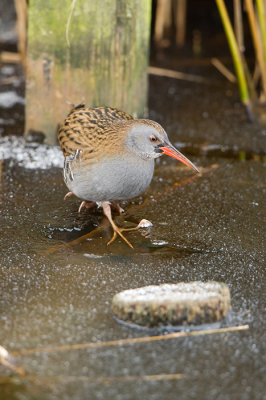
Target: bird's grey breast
{"type": "Point", "coordinates": [111, 178]}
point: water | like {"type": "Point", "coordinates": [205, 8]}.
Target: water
{"type": "Point", "coordinates": [208, 228]}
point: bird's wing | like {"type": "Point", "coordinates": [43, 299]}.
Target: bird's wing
{"type": "Point", "coordinates": [82, 128]}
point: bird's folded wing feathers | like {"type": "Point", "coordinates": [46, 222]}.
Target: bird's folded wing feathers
{"type": "Point", "coordinates": [83, 126]}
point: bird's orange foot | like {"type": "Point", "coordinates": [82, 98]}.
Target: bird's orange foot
{"type": "Point", "coordinates": [118, 231]}
{"type": "Point", "coordinates": [144, 223]}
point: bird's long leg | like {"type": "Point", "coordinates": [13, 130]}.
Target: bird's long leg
{"type": "Point", "coordinates": [107, 212]}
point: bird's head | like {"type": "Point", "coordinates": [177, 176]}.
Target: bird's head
{"type": "Point", "coordinates": [149, 140]}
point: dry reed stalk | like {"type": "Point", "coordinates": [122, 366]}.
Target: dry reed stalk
{"type": "Point", "coordinates": [13, 368]}
{"type": "Point", "coordinates": [178, 75]}
{"type": "Point", "coordinates": [90, 235]}
{"type": "Point", "coordinates": [225, 71]}
{"type": "Point", "coordinates": [162, 18]}
{"type": "Point", "coordinates": [121, 342]}
{"type": "Point", "coordinates": [69, 245]}
{"type": "Point", "coordinates": [256, 41]}
{"type": "Point", "coordinates": [22, 17]}
{"type": "Point", "coordinates": [238, 22]}
{"type": "Point", "coordinates": [102, 379]}
{"type": "Point", "coordinates": [262, 24]}
{"type": "Point", "coordinates": [181, 12]}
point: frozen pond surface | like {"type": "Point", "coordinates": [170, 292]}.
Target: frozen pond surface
{"type": "Point", "coordinates": [52, 294]}
{"type": "Point", "coordinates": [209, 227]}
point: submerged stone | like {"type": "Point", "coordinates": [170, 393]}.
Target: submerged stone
{"type": "Point", "coordinates": [181, 304]}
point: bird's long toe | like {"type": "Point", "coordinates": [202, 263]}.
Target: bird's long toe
{"type": "Point", "coordinates": [144, 223]}
{"type": "Point", "coordinates": [119, 232]}
{"type": "Point", "coordinates": [68, 195]}
{"type": "Point", "coordinates": [87, 205]}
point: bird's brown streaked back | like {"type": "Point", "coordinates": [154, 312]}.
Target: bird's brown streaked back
{"type": "Point", "coordinates": [84, 127]}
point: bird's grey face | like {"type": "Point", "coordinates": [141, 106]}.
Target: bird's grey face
{"type": "Point", "coordinates": [148, 143]}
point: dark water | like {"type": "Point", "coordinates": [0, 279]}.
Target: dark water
{"type": "Point", "coordinates": [208, 228]}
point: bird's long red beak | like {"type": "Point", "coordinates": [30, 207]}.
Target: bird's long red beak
{"type": "Point", "coordinates": [173, 152]}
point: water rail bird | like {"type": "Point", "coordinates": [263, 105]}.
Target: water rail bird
{"type": "Point", "coordinates": [109, 156]}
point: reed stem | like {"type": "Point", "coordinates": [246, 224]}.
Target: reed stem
{"type": "Point", "coordinates": [256, 41]}
{"type": "Point", "coordinates": [262, 23]}
{"type": "Point", "coordinates": [130, 341]}
{"type": "Point", "coordinates": [181, 13]}
{"type": "Point", "coordinates": [243, 88]}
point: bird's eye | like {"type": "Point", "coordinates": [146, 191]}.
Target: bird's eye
{"type": "Point", "coordinates": [153, 138]}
